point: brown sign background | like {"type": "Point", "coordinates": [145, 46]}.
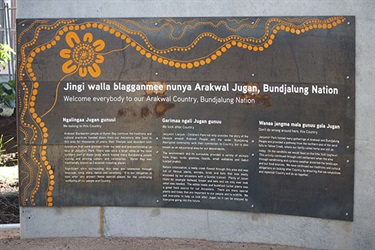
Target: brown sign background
{"type": "Point", "coordinates": [250, 113]}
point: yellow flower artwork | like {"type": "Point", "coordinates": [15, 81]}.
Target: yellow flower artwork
{"type": "Point", "coordinates": [83, 55]}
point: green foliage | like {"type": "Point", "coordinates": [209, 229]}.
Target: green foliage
{"type": "Point", "coordinates": [8, 94]}
{"type": "Point", "coordinates": [7, 89]}
{"type": "Point", "coordinates": [3, 144]}
{"type": "Point", "coordinates": [5, 51]}
{"type": "Point", "coordinates": [6, 160]}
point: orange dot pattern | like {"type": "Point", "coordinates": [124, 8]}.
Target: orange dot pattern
{"type": "Point", "coordinates": [38, 128]}
{"type": "Point", "coordinates": [272, 27]}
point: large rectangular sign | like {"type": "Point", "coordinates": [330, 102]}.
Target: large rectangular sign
{"type": "Point", "coordinates": [244, 113]}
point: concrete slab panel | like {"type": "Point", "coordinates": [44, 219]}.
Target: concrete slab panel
{"type": "Point", "coordinates": [39, 222]}
{"type": "Point", "coordinates": [154, 222]}
{"type": "Point", "coordinates": [221, 225]}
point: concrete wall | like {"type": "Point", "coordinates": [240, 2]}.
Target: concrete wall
{"type": "Point", "coordinates": [223, 225]}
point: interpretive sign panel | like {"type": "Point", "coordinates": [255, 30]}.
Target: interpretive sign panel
{"type": "Point", "coordinates": [244, 113]}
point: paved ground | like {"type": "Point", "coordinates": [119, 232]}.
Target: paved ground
{"type": "Point", "coordinates": [10, 240]}
{"type": "Point", "coordinates": [9, 173]}
{"type": "Point", "coordinates": [9, 210]}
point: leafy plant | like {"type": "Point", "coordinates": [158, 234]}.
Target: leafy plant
{"type": "Point", "coordinates": [3, 144]}
{"type": "Point", "coordinates": [5, 51]}
{"type": "Point", "coordinates": [7, 89]}
{"type": "Point", "coordinates": [6, 159]}
{"type": "Point", "coordinates": [8, 94]}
